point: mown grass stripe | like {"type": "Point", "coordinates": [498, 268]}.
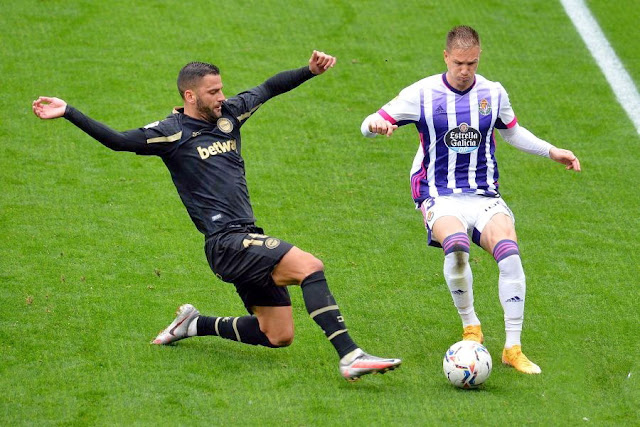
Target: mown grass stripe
{"type": "Point", "coordinates": [606, 58]}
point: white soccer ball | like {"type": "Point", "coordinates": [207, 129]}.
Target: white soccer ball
{"type": "Point", "coordinates": [467, 364]}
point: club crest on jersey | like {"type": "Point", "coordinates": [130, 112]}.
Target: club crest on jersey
{"type": "Point", "coordinates": [463, 139]}
{"type": "Point", "coordinates": [272, 243]}
{"type": "Point", "coordinates": [484, 108]}
{"type": "Point", "coordinates": [224, 125]}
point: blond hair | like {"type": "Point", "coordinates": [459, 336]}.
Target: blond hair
{"type": "Point", "coordinates": [462, 37]}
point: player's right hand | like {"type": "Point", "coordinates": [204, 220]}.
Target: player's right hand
{"type": "Point", "coordinates": [46, 107]}
{"type": "Point", "coordinates": [566, 157]}
{"type": "Point", "coordinates": [382, 127]}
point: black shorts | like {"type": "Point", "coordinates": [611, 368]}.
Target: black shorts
{"type": "Point", "coordinates": [246, 258]}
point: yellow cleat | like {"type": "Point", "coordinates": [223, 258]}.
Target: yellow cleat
{"type": "Point", "coordinates": [514, 357]}
{"type": "Point", "coordinates": [473, 333]}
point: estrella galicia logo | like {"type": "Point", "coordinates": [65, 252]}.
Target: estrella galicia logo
{"type": "Point", "coordinates": [462, 139]}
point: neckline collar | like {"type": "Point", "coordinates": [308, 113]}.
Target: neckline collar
{"type": "Point", "coordinates": [452, 89]}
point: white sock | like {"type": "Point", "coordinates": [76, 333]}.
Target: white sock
{"type": "Point", "coordinates": [512, 290]}
{"type": "Point", "coordinates": [457, 274]}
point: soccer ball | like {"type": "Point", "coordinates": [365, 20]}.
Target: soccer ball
{"type": "Point", "coordinates": [467, 364]}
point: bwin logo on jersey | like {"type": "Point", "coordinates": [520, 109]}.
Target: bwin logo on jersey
{"type": "Point", "coordinates": [462, 139]}
{"type": "Point", "coordinates": [216, 148]}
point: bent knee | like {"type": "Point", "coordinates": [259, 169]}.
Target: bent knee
{"type": "Point", "coordinates": [282, 342]}
{"type": "Point", "coordinates": [307, 265]}
{"type": "Point", "coordinates": [295, 266]}
{"type": "Point", "coordinates": [313, 264]}
{"type": "Point", "coordinates": [280, 338]}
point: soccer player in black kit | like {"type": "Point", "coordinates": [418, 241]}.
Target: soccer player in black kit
{"type": "Point", "coordinates": [201, 146]}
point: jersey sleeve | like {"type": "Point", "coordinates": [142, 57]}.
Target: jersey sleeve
{"type": "Point", "coordinates": [139, 141]}
{"type": "Point", "coordinates": [506, 117]}
{"type": "Point", "coordinates": [161, 137]}
{"type": "Point", "coordinates": [525, 141]}
{"type": "Point", "coordinates": [243, 105]}
{"type": "Point", "coordinates": [403, 109]}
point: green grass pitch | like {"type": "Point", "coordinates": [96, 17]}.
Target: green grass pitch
{"type": "Point", "coordinates": [97, 250]}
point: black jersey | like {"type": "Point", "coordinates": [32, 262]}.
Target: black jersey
{"type": "Point", "coordinates": [204, 159]}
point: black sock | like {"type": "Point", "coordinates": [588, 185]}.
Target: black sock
{"type": "Point", "coordinates": [323, 309]}
{"type": "Point", "coordinates": [244, 329]}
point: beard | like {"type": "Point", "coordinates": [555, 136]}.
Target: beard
{"type": "Point", "coordinates": [206, 111]}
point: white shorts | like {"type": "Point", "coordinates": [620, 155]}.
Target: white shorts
{"type": "Point", "coordinates": [472, 210]}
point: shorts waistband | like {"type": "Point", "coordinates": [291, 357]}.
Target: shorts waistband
{"type": "Point", "coordinates": [236, 228]}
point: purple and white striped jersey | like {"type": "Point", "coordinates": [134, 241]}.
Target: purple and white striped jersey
{"type": "Point", "coordinates": [457, 145]}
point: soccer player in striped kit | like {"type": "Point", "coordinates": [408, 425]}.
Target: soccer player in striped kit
{"type": "Point", "coordinates": [454, 178]}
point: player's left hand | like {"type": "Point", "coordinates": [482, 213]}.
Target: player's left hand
{"type": "Point", "coordinates": [320, 62]}
{"type": "Point", "coordinates": [565, 157]}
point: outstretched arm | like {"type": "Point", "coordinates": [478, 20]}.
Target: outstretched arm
{"type": "Point", "coordinates": [46, 107]}
{"type": "Point", "coordinates": [525, 141]}
{"type": "Point", "coordinates": [284, 81]}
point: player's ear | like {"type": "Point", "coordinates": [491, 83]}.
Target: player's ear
{"type": "Point", "coordinates": [189, 96]}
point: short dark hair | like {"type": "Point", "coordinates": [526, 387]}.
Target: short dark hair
{"type": "Point", "coordinates": [191, 73]}
{"type": "Point", "coordinates": [462, 37]}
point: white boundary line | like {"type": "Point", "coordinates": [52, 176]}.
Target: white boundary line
{"type": "Point", "coordinates": [613, 69]}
